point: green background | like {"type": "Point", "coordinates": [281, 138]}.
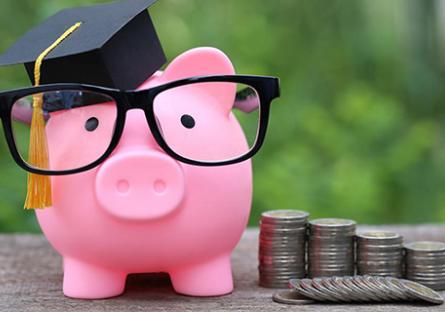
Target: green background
{"type": "Point", "coordinates": [359, 130]}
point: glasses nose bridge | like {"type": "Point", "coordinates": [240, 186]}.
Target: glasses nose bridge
{"type": "Point", "coordinates": [137, 99]}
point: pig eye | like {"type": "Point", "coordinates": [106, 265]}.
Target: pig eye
{"type": "Point", "coordinates": [91, 124]}
{"type": "Point", "coordinates": [188, 121]}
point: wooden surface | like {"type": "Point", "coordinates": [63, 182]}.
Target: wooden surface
{"type": "Point", "coordinates": [31, 280]}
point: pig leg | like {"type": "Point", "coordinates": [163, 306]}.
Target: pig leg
{"type": "Point", "coordinates": [210, 278]}
{"type": "Point", "coordinates": [86, 281]}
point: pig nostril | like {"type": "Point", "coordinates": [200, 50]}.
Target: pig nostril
{"type": "Point", "coordinates": [123, 186]}
{"type": "Point", "coordinates": [159, 187]}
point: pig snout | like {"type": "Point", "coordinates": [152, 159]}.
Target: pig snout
{"type": "Point", "coordinates": [140, 185]}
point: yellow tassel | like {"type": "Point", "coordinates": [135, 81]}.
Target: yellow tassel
{"type": "Point", "coordinates": [39, 186]}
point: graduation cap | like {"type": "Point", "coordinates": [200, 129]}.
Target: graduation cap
{"type": "Point", "coordinates": [115, 46]}
{"type": "Point", "coordinates": [112, 45]}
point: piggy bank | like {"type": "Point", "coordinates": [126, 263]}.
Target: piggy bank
{"type": "Point", "coordinates": [141, 211]}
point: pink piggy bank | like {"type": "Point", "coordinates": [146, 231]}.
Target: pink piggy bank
{"type": "Point", "coordinates": [142, 211]}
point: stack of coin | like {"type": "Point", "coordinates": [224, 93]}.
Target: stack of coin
{"type": "Point", "coordinates": [380, 253]}
{"type": "Point", "coordinates": [356, 289]}
{"type": "Point", "coordinates": [331, 247]}
{"type": "Point", "coordinates": [282, 247]}
{"type": "Point", "coordinates": [425, 263]}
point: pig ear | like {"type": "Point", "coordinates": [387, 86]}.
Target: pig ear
{"type": "Point", "coordinates": [22, 111]}
{"type": "Point", "coordinates": [205, 62]}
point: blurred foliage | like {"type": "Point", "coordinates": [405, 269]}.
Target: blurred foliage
{"type": "Point", "coordinates": [358, 132]}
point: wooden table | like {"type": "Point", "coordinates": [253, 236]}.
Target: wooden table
{"type": "Point", "coordinates": [31, 280]}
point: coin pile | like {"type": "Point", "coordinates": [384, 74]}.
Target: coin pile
{"type": "Point", "coordinates": [357, 289]}
{"type": "Point", "coordinates": [282, 248]}
{"type": "Point", "coordinates": [331, 247]}
{"type": "Point", "coordinates": [425, 263]}
{"type": "Point", "coordinates": [380, 253]}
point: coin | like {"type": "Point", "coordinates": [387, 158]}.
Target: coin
{"type": "Point", "coordinates": [426, 246]}
{"type": "Point", "coordinates": [283, 215]}
{"type": "Point", "coordinates": [382, 288]}
{"type": "Point", "coordinates": [282, 245]}
{"type": "Point", "coordinates": [331, 247]}
{"type": "Point", "coordinates": [291, 297]}
{"type": "Point", "coordinates": [329, 282]}
{"type": "Point", "coordinates": [308, 286]}
{"type": "Point", "coordinates": [418, 291]}
{"type": "Point", "coordinates": [379, 253]}
{"type": "Point", "coordinates": [362, 282]}
{"type": "Point", "coordinates": [319, 285]}
{"type": "Point", "coordinates": [425, 263]}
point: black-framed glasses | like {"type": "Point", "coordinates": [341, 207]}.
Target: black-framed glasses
{"type": "Point", "coordinates": [204, 121]}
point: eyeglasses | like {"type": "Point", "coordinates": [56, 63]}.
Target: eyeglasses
{"type": "Point", "coordinates": [204, 121]}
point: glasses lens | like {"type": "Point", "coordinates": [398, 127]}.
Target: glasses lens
{"type": "Point", "coordinates": [209, 122]}
{"type": "Point", "coordinates": [63, 130]}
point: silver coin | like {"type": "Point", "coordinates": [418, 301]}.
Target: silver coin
{"type": "Point", "coordinates": [397, 274]}
{"type": "Point", "coordinates": [362, 282]}
{"type": "Point", "coordinates": [296, 247]}
{"type": "Point", "coordinates": [340, 236]}
{"type": "Point", "coordinates": [381, 273]}
{"type": "Point", "coordinates": [426, 266]}
{"type": "Point", "coordinates": [382, 287]}
{"type": "Point", "coordinates": [300, 224]}
{"type": "Point", "coordinates": [421, 292]}
{"type": "Point", "coordinates": [282, 222]}
{"type": "Point", "coordinates": [332, 222]}
{"type": "Point", "coordinates": [359, 291]}
{"type": "Point", "coordinates": [277, 270]}
{"type": "Point", "coordinates": [437, 285]}
{"type": "Point", "coordinates": [379, 263]}
{"type": "Point", "coordinates": [295, 250]}
{"type": "Point", "coordinates": [279, 257]}
{"type": "Point", "coordinates": [381, 252]}
{"type": "Point", "coordinates": [388, 288]}
{"type": "Point", "coordinates": [285, 266]}
{"type": "Point", "coordinates": [282, 231]}
{"type": "Point", "coordinates": [330, 265]}
{"type": "Point", "coordinates": [283, 262]}
{"type": "Point", "coordinates": [281, 240]}
{"type": "Point", "coordinates": [364, 258]}
{"type": "Point", "coordinates": [430, 261]}
{"type": "Point", "coordinates": [426, 274]}
{"type": "Point", "coordinates": [331, 258]}
{"type": "Point", "coordinates": [434, 286]}
{"type": "Point", "coordinates": [331, 255]}
{"type": "Point", "coordinates": [380, 267]}
{"type": "Point", "coordinates": [282, 274]}
{"type": "Point", "coordinates": [348, 294]}
{"type": "Point", "coordinates": [306, 284]}
{"type": "Point", "coordinates": [296, 285]}
{"type": "Point", "coordinates": [277, 252]}
{"type": "Point", "coordinates": [379, 237]}
{"type": "Point", "coordinates": [319, 285]}
{"type": "Point", "coordinates": [394, 286]}
{"type": "Point", "coordinates": [291, 297]}
{"type": "Point", "coordinates": [286, 214]}
{"type": "Point", "coordinates": [377, 289]}
{"type": "Point", "coordinates": [331, 234]}
{"type": "Point", "coordinates": [426, 246]}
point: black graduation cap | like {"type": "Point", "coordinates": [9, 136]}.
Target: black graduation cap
{"type": "Point", "coordinates": [116, 46]}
